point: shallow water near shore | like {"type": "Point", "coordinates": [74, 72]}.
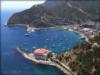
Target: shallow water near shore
{"type": "Point", "coordinates": [56, 40]}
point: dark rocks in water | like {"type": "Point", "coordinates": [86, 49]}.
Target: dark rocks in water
{"type": "Point", "coordinates": [27, 34]}
{"type": "Point", "coordinates": [73, 11]}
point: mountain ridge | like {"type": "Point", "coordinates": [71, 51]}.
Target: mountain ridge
{"type": "Point", "coordinates": [75, 11]}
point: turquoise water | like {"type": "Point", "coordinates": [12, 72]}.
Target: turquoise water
{"type": "Point", "coordinates": [56, 40]}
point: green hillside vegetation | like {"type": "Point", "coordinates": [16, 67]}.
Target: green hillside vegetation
{"type": "Point", "coordinates": [87, 61]}
{"type": "Point", "coordinates": [75, 11]}
{"type": "Point", "coordinates": [83, 59]}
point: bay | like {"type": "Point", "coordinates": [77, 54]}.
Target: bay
{"type": "Point", "coordinates": [56, 40]}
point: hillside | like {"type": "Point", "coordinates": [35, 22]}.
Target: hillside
{"type": "Point", "coordinates": [85, 58]}
{"type": "Point", "coordinates": [72, 11]}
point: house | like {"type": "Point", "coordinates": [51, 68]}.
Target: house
{"type": "Point", "coordinates": [41, 54]}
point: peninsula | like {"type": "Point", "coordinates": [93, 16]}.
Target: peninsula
{"type": "Point", "coordinates": [43, 56]}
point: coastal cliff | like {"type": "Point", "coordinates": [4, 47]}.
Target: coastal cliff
{"type": "Point", "coordinates": [62, 12]}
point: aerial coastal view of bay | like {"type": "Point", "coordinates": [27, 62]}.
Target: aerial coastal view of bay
{"type": "Point", "coordinates": [37, 40]}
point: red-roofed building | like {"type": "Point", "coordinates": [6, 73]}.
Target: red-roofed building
{"type": "Point", "coordinates": [41, 53]}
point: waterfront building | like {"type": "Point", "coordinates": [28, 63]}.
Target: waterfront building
{"type": "Point", "coordinates": [41, 54]}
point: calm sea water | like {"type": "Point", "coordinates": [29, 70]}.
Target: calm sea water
{"type": "Point", "coordinates": [13, 63]}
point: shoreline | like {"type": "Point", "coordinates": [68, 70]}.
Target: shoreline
{"type": "Point", "coordinates": [66, 70]}
{"type": "Point", "coordinates": [82, 34]}
{"type": "Point", "coordinates": [32, 29]}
